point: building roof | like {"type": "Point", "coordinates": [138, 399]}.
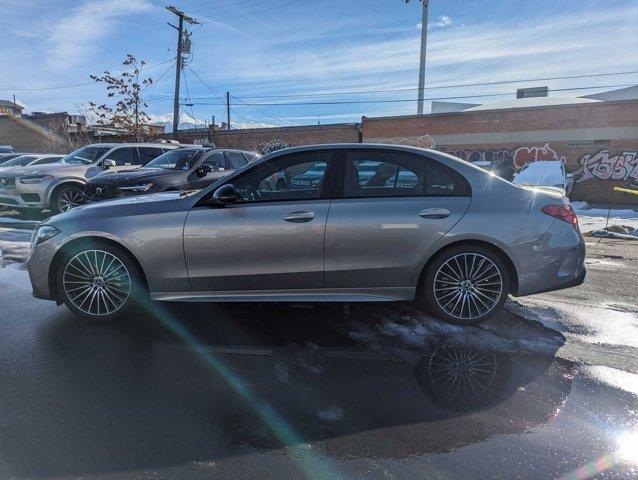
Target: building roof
{"type": "Point", "coordinates": [7, 103]}
{"type": "Point", "coordinates": [530, 102]}
{"type": "Point", "coordinates": [627, 93]}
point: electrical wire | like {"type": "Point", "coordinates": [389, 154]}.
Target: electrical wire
{"type": "Point", "coordinates": [438, 87]}
{"type": "Point", "coordinates": [264, 112]}
{"type": "Point", "coordinates": [404, 100]}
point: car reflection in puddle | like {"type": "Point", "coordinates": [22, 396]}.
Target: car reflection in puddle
{"type": "Point", "coordinates": [285, 383]}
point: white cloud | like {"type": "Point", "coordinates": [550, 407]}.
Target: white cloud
{"type": "Point", "coordinates": [77, 36]}
{"type": "Point", "coordinates": [168, 118]}
{"type": "Point", "coordinates": [443, 22]}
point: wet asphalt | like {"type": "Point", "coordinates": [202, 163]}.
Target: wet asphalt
{"type": "Point", "coordinates": [303, 391]}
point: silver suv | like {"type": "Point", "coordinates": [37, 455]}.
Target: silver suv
{"type": "Point", "coordinates": [348, 223]}
{"type": "Point", "coordinates": [60, 186]}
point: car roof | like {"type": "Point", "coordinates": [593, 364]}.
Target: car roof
{"type": "Point", "coordinates": [133, 144]}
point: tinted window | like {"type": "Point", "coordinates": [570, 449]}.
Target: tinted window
{"type": "Point", "coordinates": [236, 160]}
{"type": "Point", "coordinates": [179, 159]}
{"type": "Point", "coordinates": [20, 161]}
{"type": "Point", "coordinates": [215, 160]}
{"type": "Point", "coordinates": [250, 156]}
{"type": "Point", "coordinates": [389, 174]}
{"type": "Point", "coordinates": [123, 157]}
{"type": "Point", "coordinates": [292, 177]}
{"type": "Point", "coordinates": [85, 155]}
{"type": "Point", "coordinates": [149, 153]}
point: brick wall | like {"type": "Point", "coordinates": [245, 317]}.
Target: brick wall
{"type": "Point", "coordinates": [26, 136]}
{"type": "Point", "coordinates": [597, 141]}
{"type": "Point", "coordinates": [253, 138]}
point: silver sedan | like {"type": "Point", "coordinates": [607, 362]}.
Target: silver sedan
{"type": "Point", "coordinates": [344, 223]}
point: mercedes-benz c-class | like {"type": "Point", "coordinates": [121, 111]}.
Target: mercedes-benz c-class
{"type": "Point", "coordinates": [371, 223]}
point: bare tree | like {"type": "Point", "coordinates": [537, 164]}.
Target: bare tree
{"type": "Point", "coordinates": [127, 89]}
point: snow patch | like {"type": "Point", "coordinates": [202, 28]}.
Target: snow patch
{"type": "Point", "coordinates": [614, 378]}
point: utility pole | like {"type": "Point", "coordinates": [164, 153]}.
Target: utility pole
{"type": "Point", "coordinates": [228, 110]}
{"type": "Point", "coordinates": [424, 42]}
{"type": "Point", "coordinates": [178, 61]}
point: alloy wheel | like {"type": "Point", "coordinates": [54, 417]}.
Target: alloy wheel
{"type": "Point", "coordinates": [69, 199]}
{"type": "Point", "coordinates": [462, 373]}
{"type": "Point", "coordinates": [468, 286]}
{"type": "Point", "coordinates": [97, 282]}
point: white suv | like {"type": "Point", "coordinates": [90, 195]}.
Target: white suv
{"type": "Point", "coordinates": [60, 186]}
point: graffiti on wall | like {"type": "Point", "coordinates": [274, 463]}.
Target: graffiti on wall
{"type": "Point", "coordinates": [602, 165]}
{"type": "Point", "coordinates": [515, 158]}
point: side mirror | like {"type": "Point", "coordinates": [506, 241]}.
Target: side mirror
{"type": "Point", "coordinates": [203, 170]}
{"type": "Point", "coordinates": [226, 194]}
{"type": "Point", "coordinates": [108, 163]}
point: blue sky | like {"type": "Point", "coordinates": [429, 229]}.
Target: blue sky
{"type": "Point", "coordinates": [279, 48]}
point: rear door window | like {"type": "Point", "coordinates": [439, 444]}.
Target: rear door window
{"type": "Point", "coordinates": [394, 174]}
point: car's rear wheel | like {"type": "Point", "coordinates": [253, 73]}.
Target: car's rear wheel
{"type": "Point", "coordinates": [67, 197]}
{"type": "Point", "coordinates": [99, 281]}
{"type": "Point", "coordinates": [466, 285]}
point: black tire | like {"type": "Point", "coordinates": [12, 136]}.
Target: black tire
{"type": "Point", "coordinates": [111, 281]}
{"type": "Point", "coordinates": [63, 197]}
{"type": "Point", "coordinates": [478, 287]}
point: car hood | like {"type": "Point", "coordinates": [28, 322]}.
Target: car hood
{"type": "Point", "coordinates": [91, 213]}
{"type": "Point", "coordinates": [129, 175]}
{"type": "Point", "coordinates": [55, 169]}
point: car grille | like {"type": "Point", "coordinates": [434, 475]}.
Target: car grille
{"type": "Point", "coordinates": [7, 182]}
{"type": "Point", "coordinates": [98, 191]}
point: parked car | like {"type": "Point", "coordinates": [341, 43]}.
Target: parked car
{"type": "Point", "coordinates": [6, 149]}
{"type": "Point", "coordinates": [60, 186]}
{"type": "Point", "coordinates": [460, 239]}
{"type": "Point", "coordinates": [30, 159]}
{"type": "Point", "coordinates": [182, 169]}
{"type": "Point", "coordinates": [550, 173]}
{"type": "Point", "coordinates": [5, 157]}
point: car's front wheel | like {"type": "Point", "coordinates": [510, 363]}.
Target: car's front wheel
{"type": "Point", "coordinates": [466, 285]}
{"type": "Point", "coordinates": [99, 281]}
{"type": "Point", "coordinates": [67, 197]}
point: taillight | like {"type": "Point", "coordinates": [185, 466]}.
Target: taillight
{"type": "Point", "coordinates": [562, 212]}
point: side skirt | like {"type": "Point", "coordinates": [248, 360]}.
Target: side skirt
{"type": "Point", "coordinates": [387, 294]}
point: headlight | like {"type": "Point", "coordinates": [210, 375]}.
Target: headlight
{"type": "Point", "coordinates": [35, 179]}
{"type": "Point", "coordinates": [143, 187]}
{"type": "Point", "coordinates": [43, 233]}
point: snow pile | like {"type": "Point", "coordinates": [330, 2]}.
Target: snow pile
{"type": "Point", "coordinates": [405, 332]}
{"type": "Point", "coordinates": [626, 232]}
{"type": "Point", "coordinates": [595, 219]}
{"type": "Point", "coordinates": [14, 245]}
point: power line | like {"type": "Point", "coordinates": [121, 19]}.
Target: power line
{"type": "Point", "coordinates": [407, 100]}
{"type": "Point", "coordinates": [73, 85]}
{"type": "Point", "coordinates": [264, 112]}
{"type": "Point", "coordinates": [223, 19]}
{"type": "Point", "coordinates": [438, 87]}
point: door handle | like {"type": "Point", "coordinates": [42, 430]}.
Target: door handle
{"type": "Point", "coordinates": [300, 216]}
{"type": "Point", "coordinates": [434, 213]}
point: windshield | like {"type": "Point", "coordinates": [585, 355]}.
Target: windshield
{"type": "Point", "coordinates": [183, 159]}
{"type": "Point", "coordinates": [85, 155]}
{"type": "Point", "coordinates": [20, 161]}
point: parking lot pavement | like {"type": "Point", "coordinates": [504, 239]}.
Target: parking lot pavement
{"type": "Point", "coordinates": [548, 389]}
